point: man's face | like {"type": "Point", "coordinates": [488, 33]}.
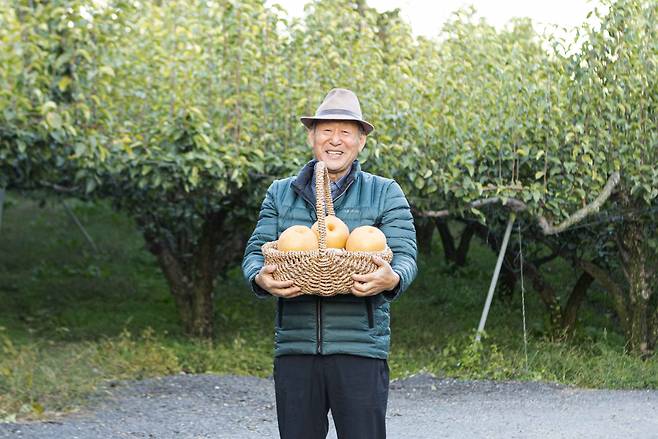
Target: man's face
{"type": "Point", "coordinates": [337, 143]}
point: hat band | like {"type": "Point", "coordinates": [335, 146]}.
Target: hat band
{"type": "Point", "coordinates": [338, 111]}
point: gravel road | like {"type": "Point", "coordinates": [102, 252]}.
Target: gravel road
{"type": "Point", "coordinates": [209, 406]}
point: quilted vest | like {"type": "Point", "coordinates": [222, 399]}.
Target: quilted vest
{"type": "Point", "coordinates": [342, 324]}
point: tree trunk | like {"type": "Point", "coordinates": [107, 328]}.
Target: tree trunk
{"type": "Point", "coordinates": [455, 254]}
{"type": "Point", "coordinates": [191, 280]}
{"type": "Point", "coordinates": [202, 318]}
{"type": "Point", "coordinates": [179, 284]}
{"type": "Point", "coordinates": [508, 281]}
{"type": "Point", "coordinates": [447, 241]}
{"type": "Point", "coordinates": [634, 253]}
{"type": "Point", "coordinates": [193, 296]}
{"type": "Point", "coordinates": [547, 295]}
{"type": "Point", "coordinates": [424, 233]}
{"type": "Point", "coordinates": [576, 298]}
{"type": "Point", "coordinates": [2, 202]}
{"type": "Point", "coordinates": [464, 244]}
{"type": "Point", "coordinates": [616, 291]}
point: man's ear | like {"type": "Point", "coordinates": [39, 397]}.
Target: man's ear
{"type": "Point", "coordinates": [362, 141]}
{"type": "Point", "coordinates": [309, 138]}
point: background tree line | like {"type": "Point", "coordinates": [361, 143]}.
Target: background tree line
{"type": "Point", "coordinates": [182, 112]}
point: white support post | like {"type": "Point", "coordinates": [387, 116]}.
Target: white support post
{"type": "Point", "coordinates": [494, 279]}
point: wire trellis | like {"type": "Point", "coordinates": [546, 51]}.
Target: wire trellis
{"type": "Point", "coordinates": [525, 328]}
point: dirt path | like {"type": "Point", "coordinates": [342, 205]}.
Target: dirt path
{"type": "Point", "coordinates": [208, 406]}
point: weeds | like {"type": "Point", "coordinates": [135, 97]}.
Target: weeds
{"type": "Point", "coordinates": [70, 321]}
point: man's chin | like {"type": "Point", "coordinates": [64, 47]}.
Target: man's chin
{"type": "Point", "coordinates": [334, 167]}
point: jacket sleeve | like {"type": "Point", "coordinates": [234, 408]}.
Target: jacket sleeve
{"type": "Point", "coordinates": [398, 225]}
{"type": "Point", "coordinates": [265, 231]}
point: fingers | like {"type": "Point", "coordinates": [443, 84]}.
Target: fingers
{"type": "Point", "coordinates": [363, 277]}
{"type": "Point", "coordinates": [290, 292]}
{"type": "Point", "coordinates": [268, 281]}
{"type": "Point", "coordinates": [362, 293]}
{"type": "Point", "coordinates": [370, 277]}
{"type": "Point", "coordinates": [382, 267]}
{"type": "Point", "coordinates": [281, 288]}
{"type": "Point", "coordinates": [379, 261]}
{"type": "Point", "coordinates": [362, 286]}
{"type": "Point", "coordinates": [279, 284]}
{"type": "Point", "coordinates": [363, 289]}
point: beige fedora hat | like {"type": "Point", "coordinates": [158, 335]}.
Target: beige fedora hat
{"type": "Point", "coordinates": [339, 104]}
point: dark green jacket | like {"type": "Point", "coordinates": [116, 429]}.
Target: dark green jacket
{"type": "Point", "coordinates": [342, 324]}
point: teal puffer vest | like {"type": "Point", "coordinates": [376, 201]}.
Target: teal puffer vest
{"type": "Point", "coordinates": [342, 324]}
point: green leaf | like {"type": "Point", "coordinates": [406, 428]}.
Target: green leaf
{"type": "Point", "coordinates": [90, 186]}
{"type": "Point", "coordinates": [64, 83]}
{"type": "Point", "coordinates": [107, 70]}
{"type": "Point", "coordinates": [54, 120]}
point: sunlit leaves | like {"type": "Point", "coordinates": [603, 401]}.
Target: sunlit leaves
{"type": "Point", "coordinates": [191, 98]}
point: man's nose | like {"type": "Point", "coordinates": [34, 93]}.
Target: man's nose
{"type": "Point", "coordinates": [335, 138]}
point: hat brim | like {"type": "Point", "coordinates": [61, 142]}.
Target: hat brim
{"type": "Point", "coordinates": [308, 121]}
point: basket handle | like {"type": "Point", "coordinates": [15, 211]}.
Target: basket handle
{"type": "Point", "coordinates": [322, 200]}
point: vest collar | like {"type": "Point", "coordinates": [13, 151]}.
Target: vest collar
{"type": "Point", "coordinates": [303, 183]}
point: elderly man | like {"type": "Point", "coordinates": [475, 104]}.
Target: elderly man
{"type": "Point", "coordinates": [331, 352]}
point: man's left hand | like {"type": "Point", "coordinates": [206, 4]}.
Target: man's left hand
{"type": "Point", "coordinates": [382, 279]}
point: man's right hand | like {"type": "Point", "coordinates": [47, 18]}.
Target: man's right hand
{"type": "Point", "coordinates": [279, 288]}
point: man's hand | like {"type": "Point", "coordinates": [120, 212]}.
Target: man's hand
{"type": "Point", "coordinates": [279, 288]}
{"type": "Point", "coordinates": [382, 279]}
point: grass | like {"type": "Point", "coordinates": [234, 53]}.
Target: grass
{"type": "Point", "coordinates": [71, 320]}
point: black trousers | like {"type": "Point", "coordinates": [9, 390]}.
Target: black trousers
{"type": "Point", "coordinates": [354, 388]}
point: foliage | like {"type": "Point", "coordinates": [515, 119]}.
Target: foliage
{"type": "Point", "coordinates": [47, 117]}
{"type": "Point", "coordinates": [112, 318]}
{"type": "Point", "coordinates": [612, 103]}
{"type": "Point", "coordinates": [181, 113]}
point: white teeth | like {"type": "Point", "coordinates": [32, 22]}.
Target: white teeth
{"type": "Point", "coordinates": [334, 153]}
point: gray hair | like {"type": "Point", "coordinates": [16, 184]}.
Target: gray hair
{"type": "Point", "coordinates": [362, 130]}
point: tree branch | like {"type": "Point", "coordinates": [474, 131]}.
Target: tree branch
{"type": "Point", "coordinates": [607, 282]}
{"type": "Point", "coordinates": [519, 206]}
{"type": "Point", "coordinates": [580, 214]}
{"type": "Point", "coordinates": [541, 261]}
{"type": "Point", "coordinates": [58, 188]}
{"type": "Point", "coordinates": [513, 203]}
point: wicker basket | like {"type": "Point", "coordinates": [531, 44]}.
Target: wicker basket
{"type": "Point", "coordinates": [326, 271]}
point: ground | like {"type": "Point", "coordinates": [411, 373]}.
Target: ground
{"type": "Point", "coordinates": [421, 406]}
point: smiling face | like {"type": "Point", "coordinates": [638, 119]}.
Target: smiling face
{"type": "Point", "coordinates": [337, 143]}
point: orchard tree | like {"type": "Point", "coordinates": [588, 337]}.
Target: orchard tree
{"type": "Point", "coordinates": [183, 112]}
{"type": "Point", "coordinates": [47, 58]}
{"type": "Point", "coordinates": [615, 113]}
{"type": "Point", "coordinates": [503, 137]}
{"type": "Point", "coordinates": [186, 128]}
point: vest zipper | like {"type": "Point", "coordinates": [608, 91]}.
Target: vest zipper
{"type": "Point", "coordinates": [318, 305]}
{"type": "Point", "coordinates": [370, 312]}
{"type": "Point", "coordinates": [318, 310]}
{"type": "Point", "coordinates": [319, 302]}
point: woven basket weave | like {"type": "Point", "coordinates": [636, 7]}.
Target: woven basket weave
{"type": "Point", "coordinates": [326, 271]}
